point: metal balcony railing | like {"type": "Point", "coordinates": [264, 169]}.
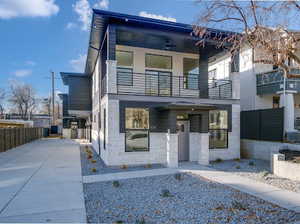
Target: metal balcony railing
{"type": "Point", "coordinates": [272, 82]}
{"type": "Point", "coordinates": [165, 84]}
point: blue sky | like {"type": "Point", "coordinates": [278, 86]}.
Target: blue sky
{"type": "Point", "coordinates": [42, 35]}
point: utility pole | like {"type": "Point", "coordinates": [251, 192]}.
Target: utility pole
{"type": "Point", "coordinates": [52, 77]}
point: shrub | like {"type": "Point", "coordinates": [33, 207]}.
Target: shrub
{"type": "Point", "coordinates": [238, 167]}
{"type": "Point", "coordinates": [93, 161]}
{"type": "Point", "coordinates": [238, 205]}
{"type": "Point", "coordinates": [124, 167]}
{"type": "Point", "coordinates": [148, 166]}
{"type": "Point", "coordinates": [142, 221]}
{"type": "Point", "coordinates": [264, 173]}
{"type": "Point", "coordinates": [251, 163]}
{"type": "Point", "coordinates": [178, 176]}
{"type": "Point", "coordinates": [166, 193]}
{"type": "Point", "coordinates": [94, 170]}
{"type": "Point", "coordinates": [116, 183]}
{"type": "Point", "coordinates": [237, 159]}
{"type": "Point", "coordinates": [218, 160]}
{"type": "Point", "coordinates": [118, 222]}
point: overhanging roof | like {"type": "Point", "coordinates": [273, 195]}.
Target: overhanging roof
{"type": "Point", "coordinates": [102, 18]}
{"type": "Point", "coordinates": [66, 75]}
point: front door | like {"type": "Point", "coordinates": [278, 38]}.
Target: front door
{"type": "Point", "coordinates": [183, 140]}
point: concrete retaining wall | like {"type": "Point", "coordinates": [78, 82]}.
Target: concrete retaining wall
{"type": "Point", "coordinates": [263, 149]}
{"type": "Point", "coordinates": [285, 169]}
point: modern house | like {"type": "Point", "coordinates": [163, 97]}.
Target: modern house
{"type": "Point", "coordinates": [152, 95]}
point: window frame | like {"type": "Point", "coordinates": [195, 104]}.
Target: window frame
{"type": "Point", "coordinates": [153, 68]}
{"type": "Point", "coordinates": [138, 129]}
{"type": "Point", "coordinates": [218, 129]}
{"type": "Point", "coordinates": [186, 75]}
{"type": "Point", "coordinates": [170, 75]}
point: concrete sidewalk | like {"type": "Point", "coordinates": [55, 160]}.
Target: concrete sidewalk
{"type": "Point", "coordinates": [41, 182]}
{"type": "Point", "coordinates": [283, 198]}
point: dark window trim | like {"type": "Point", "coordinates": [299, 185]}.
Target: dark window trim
{"type": "Point", "coordinates": [138, 129]}
{"type": "Point", "coordinates": [227, 133]}
{"type": "Point", "coordinates": [148, 134]}
{"type": "Point", "coordinates": [126, 52]}
{"type": "Point", "coordinates": [131, 81]}
{"type": "Point", "coordinates": [159, 55]}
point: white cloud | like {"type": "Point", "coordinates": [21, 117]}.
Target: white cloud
{"type": "Point", "coordinates": [23, 72]}
{"type": "Point", "coordinates": [154, 16]}
{"type": "Point", "coordinates": [78, 64]}
{"type": "Point", "coordinates": [31, 63]}
{"type": "Point", "coordinates": [27, 8]}
{"type": "Point", "coordinates": [84, 11]}
{"type": "Point", "coordinates": [103, 4]}
{"type": "Point", "coordinates": [71, 25]}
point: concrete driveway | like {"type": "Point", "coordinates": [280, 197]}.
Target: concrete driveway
{"type": "Point", "coordinates": [41, 182]}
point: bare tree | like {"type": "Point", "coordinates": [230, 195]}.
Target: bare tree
{"type": "Point", "coordinates": [2, 101]}
{"type": "Point", "coordinates": [263, 25]}
{"type": "Point", "coordinates": [23, 99]}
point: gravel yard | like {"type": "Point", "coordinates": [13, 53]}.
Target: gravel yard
{"type": "Point", "coordinates": [92, 164]}
{"type": "Point", "coordinates": [165, 199]}
{"type": "Point", "coordinates": [258, 170]}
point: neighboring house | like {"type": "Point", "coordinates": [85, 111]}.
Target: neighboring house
{"type": "Point", "coordinates": [37, 120]}
{"type": "Point", "coordinates": [76, 125]}
{"type": "Point", "coordinates": [156, 97]}
{"type": "Point", "coordinates": [270, 115]}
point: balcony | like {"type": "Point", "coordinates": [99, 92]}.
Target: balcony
{"type": "Point", "coordinates": [165, 84]}
{"type": "Point", "coordinates": [272, 82]}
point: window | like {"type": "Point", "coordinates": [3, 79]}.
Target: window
{"type": "Point", "coordinates": [218, 129]}
{"type": "Point", "coordinates": [158, 61]}
{"type": "Point", "coordinates": [137, 129]}
{"type": "Point", "coordinates": [124, 58]}
{"type": "Point", "coordinates": [276, 100]}
{"type": "Point", "coordinates": [191, 73]}
{"type": "Point", "coordinates": [212, 74]}
{"type": "Point", "coordinates": [124, 69]}
{"type": "Point", "coordinates": [125, 76]}
{"type": "Point", "coordinates": [158, 83]}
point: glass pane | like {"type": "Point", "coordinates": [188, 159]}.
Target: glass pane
{"type": "Point", "coordinates": [190, 66]}
{"type": "Point", "coordinates": [152, 83]}
{"type": "Point", "coordinates": [158, 61]}
{"type": "Point", "coordinates": [125, 76]}
{"type": "Point", "coordinates": [124, 58]}
{"type": "Point", "coordinates": [137, 118]}
{"type": "Point", "coordinates": [218, 119]}
{"type": "Point", "coordinates": [218, 139]}
{"type": "Point", "coordinates": [164, 83]}
{"type": "Point", "coordinates": [136, 140]}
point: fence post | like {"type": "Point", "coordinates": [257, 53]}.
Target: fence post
{"type": "Point", "coordinates": [2, 141]}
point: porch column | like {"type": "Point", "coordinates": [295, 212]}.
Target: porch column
{"type": "Point", "coordinates": [287, 101]}
{"type": "Point", "coordinates": [204, 149]}
{"type": "Point", "coordinates": [172, 150]}
{"type": "Point", "coordinates": [111, 76]}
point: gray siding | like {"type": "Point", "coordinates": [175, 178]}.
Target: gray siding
{"type": "Point", "coordinates": [79, 93]}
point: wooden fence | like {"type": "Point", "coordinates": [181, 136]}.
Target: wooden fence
{"type": "Point", "coordinates": [13, 137]}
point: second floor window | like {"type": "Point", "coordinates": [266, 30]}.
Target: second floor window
{"type": "Point", "coordinates": [124, 68]}
{"type": "Point", "coordinates": [191, 73]}
{"type": "Point", "coordinates": [158, 61]}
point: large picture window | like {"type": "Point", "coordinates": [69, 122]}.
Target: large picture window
{"type": "Point", "coordinates": [218, 129]}
{"type": "Point", "coordinates": [191, 73]}
{"type": "Point", "coordinates": [124, 58]}
{"type": "Point", "coordinates": [158, 61]}
{"type": "Point", "coordinates": [137, 129]}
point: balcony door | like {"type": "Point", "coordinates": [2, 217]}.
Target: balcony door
{"type": "Point", "coordinates": [158, 83]}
